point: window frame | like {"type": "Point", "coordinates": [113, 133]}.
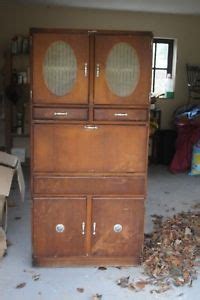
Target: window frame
{"type": "Point", "coordinates": [169, 68]}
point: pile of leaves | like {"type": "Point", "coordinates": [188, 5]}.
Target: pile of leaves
{"type": "Point", "coordinates": [172, 250]}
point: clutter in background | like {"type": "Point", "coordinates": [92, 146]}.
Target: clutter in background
{"type": "Point", "coordinates": [20, 153]}
{"type": "Point", "coordinates": [195, 167]}
{"type": "Point", "coordinates": [187, 115]}
{"type": "Point", "coordinates": [19, 44]}
{"type": "Point", "coordinates": [187, 121]}
{"type": "Point", "coordinates": [9, 165]}
{"type": "Point", "coordinates": [169, 87]}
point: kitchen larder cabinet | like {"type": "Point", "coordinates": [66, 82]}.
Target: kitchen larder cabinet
{"type": "Point", "coordinates": [89, 145]}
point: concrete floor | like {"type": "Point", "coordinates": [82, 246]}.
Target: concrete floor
{"type": "Point", "coordinates": [168, 194]}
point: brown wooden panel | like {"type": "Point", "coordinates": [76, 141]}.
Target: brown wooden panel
{"type": "Point", "coordinates": [142, 46]}
{"type": "Point", "coordinates": [60, 113]}
{"type": "Point", "coordinates": [127, 213]}
{"type": "Point", "coordinates": [105, 185]}
{"type": "Point", "coordinates": [90, 148]}
{"type": "Point", "coordinates": [79, 92]}
{"type": "Point", "coordinates": [122, 114]}
{"type": "Point", "coordinates": [86, 261]}
{"type": "Point", "coordinates": [47, 214]}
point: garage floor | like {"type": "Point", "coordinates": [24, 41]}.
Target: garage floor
{"type": "Point", "coordinates": [168, 194]}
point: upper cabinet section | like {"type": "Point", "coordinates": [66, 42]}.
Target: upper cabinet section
{"type": "Point", "coordinates": [80, 67]}
{"type": "Point", "coordinates": [60, 68]}
{"type": "Point", "coordinates": [122, 69]}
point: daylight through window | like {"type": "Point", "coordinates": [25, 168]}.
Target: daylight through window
{"type": "Point", "coordinates": [162, 63]}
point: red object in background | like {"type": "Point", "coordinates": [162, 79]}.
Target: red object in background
{"type": "Point", "coordinates": [188, 135]}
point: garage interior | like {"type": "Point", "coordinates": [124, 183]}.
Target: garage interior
{"type": "Point", "coordinates": [170, 188]}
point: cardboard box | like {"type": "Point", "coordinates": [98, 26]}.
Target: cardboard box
{"type": "Point", "coordinates": [9, 165]}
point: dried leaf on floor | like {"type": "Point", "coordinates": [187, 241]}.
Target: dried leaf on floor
{"type": "Point", "coordinates": [160, 290]}
{"type": "Point", "coordinates": [29, 271]}
{"type": "Point", "coordinates": [80, 290]}
{"type": "Point", "coordinates": [196, 206]}
{"type": "Point", "coordinates": [21, 285]}
{"type": "Point", "coordinates": [97, 297]}
{"type": "Point", "coordinates": [36, 277]}
{"type": "Point", "coordinates": [171, 249]}
{"type": "Point", "coordinates": [180, 295]}
{"type": "Point", "coordinates": [123, 282]}
{"type": "Point", "coordinates": [141, 284]}
{"type": "Point", "coordinates": [102, 268]}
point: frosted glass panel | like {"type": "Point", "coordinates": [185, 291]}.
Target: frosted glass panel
{"type": "Point", "coordinates": [60, 68]}
{"type": "Point", "coordinates": [122, 69]}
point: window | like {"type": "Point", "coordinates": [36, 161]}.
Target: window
{"type": "Point", "coordinates": [162, 64]}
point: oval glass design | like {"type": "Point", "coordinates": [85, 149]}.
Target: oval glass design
{"type": "Point", "coordinates": [122, 69]}
{"type": "Point", "coordinates": [60, 68]}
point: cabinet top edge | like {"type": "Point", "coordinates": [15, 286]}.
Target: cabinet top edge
{"type": "Point", "coordinates": [89, 31]}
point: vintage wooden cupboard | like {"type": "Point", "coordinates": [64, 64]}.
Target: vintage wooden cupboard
{"type": "Point", "coordinates": [90, 101]}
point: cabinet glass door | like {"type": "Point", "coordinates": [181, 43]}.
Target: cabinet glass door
{"type": "Point", "coordinates": [60, 68]}
{"type": "Point", "coordinates": [117, 226]}
{"type": "Point", "coordinates": [122, 69]}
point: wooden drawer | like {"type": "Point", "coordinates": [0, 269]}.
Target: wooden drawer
{"type": "Point", "coordinates": [120, 114]}
{"type": "Point", "coordinates": [66, 148]}
{"type": "Point", "coordinates": [60, 113]}
{"type": "Point", "coordinates": [77, 185]}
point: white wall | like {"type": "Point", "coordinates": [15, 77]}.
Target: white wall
{"type": "Point", "coordinates": [186, 29]}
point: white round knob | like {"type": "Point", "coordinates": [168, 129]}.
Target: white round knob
{"type": "Point", "coordinates": [60, 227]}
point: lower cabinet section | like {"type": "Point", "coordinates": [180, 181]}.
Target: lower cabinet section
{"type": "Point", "coordinates": [87, 230]}
{"type": "Point", "coordinates": [117, 227]}
{"type": "Point", "coordinates": [58, 227]}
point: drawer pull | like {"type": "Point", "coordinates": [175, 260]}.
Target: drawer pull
{"type": "Point", "coordinates": [60, 228]}
{"type": "Point", "coordinates": [60, 114]}
{"type": "Point", "coordinates": [120, 114]}
{"type": "Point", "coordinates": [83, 228]}
{"type": "Point", "coordinates": [94, 228]}
{"type": "Point", "coordinates": [91, 127]}
{"type": "Point", "coordinates": [86, 69]}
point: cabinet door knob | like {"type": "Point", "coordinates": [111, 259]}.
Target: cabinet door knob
{"type": "Point", "coordinates": [94, 228]}
{"type": "Point", "coordinates": [60, 114]}
{"type": "Point", "coordinates": [60, 228]}
{"type": "Point", "coordinates": [86, 69]}
{"type": "Point", "coordinates": [120, 114]}
{"type": "Point", "coordinates": [91, 127]}
{"type": "Point", "coordinates": [117, 228]}
{"type": "Point", "coordinates": [97, 70]}
{"type": "Point", "coordinates": [83, 228]}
